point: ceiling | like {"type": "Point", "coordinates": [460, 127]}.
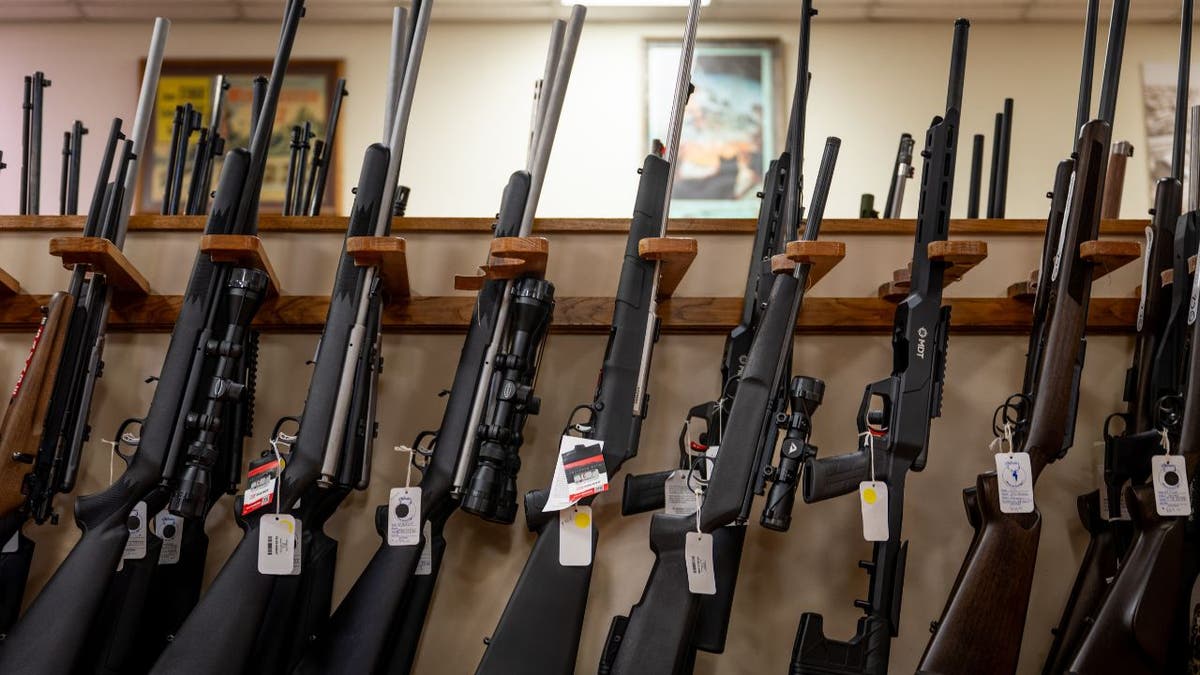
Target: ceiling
{"type": "Point", "coordinates": [467, 10]}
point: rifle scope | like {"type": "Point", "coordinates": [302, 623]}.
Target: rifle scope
{"type": "Point", "coordinates": [805, 394]}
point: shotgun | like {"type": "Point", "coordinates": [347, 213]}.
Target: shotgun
{"type": "Point", "coordinates": [980, 629]}
{"type": "Point", "coordinates": [896, 413]}
{"type": "Point", "coordinates": [1114, 185]}
{"type": "Point", "coordinates": [901, 173]}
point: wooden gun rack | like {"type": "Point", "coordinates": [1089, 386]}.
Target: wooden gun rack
{"type": "Point", "coordinates": [140, 311]}
{"type": "Point", "coordinates": [1106, 256]}
{"type": "Point", "coordinates": [101, 256]}
{"type": "Point", "coordinates": [960, 257]}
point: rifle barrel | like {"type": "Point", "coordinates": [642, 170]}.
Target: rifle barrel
{"type": "Point", "coordinates": [1112, 60]}
{"type": "Point", "coordinates": [1181, 90]}
{"type": "Point", "coordinates": [976, 176]}
{"type": "Point", "coordinates": [683, 83]}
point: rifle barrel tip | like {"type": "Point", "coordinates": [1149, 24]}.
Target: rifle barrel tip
{"type": "Point", "coordinates": [961, 22]}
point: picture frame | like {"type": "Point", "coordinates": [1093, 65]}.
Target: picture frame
{"type": "Point", "coordinates": [731, 124]}
{"type": "Point", "coordinates": [306, 97]}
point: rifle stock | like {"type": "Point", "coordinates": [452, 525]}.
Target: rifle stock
{"type": "Point", "coordinates": [418, 596]}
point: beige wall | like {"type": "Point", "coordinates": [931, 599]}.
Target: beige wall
{"type": "Point", "coordinates": [871, 82]}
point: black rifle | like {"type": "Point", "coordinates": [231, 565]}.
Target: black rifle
{"type": "Point", "coordinates": [323, 154]}
{"type": "Point", "coordinates": [210, 146]}
{"type": "Point", "coordinates": [901, 173]}
{"type": "Point", "coordinates": [976, 176]}
{"type": "Point", "coordinates": [329, 433]}
{"type": "Point", "coordinates": [1001, 147]}
{"type": "Point", "coordinates": [540, 628]}
{"type": "Point", "coordinates": [656, 637]}
{"type": "Point", "coordinates": [68, 193]}
{"type": "Point", "coordinates": [866, 206]}
{"type": "Point", "coordinates": [187, 121]}
{"type": "Point", "coordinates": [378, 625]}
{"type": "Point", "coordinates": [896, 413]}
{"type": "Point", "coordinates": [196, 387]}
{"type": "Point", "coordinates": [33, 110]}
{"type": "Point", "coordinates": [289, 190]}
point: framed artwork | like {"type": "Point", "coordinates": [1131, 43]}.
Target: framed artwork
{"type": "Point", "coordinates": [307, 93]}
{"type": "Point", "coordinates": [1158, 101]}
{"type": "Point", "coordinates": [730, 123]}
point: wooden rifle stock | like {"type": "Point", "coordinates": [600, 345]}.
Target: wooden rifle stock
{"type": "Point", "coordinates": [1114, 184]}
{"type": "Point", "coordinates": [23, 425]}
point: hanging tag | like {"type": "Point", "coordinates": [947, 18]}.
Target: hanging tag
{"type": "Point", "coordinates": [169, 528]}
{"type": "Point", "coordinates": [698, 555]}
{"type": "Point", "coordinates": [425, 562]}
{"type": "Point", "coordinates": [135, 545]}
{"type": "Point", "coordinates": [579, 473]}
{"type": "Point", "coordinates": [260, 491]}
{"type": "Point", "coordinates": [278, 544]}
{"type": "Point", "coordinates": [575, 536]}
{"type": "Point", "coordinates": [1171, 496]}
{"type": "Point", "coordinates": [710, 460]}
{"type": "Point", "coordinates": [873, 496]}
{"type": "Point", "coordinates": [679, 498]}
{"type": "Point", "coordinates": [404, 517]}
{"type": "Point", "coordinates": [1014, 476]}
{"type": "Point", "coordinates": [13, 544]}
{"type": "Point", "coordinates": [296, 548]}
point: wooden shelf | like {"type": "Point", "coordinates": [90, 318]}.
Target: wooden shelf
{"type": "Point", "coordinates": [241, 249]}
{"type": "Point", "coordinates": [1027, 289]}
{"type": "Point", "coordinates": [1108, 256]}
{"type": "Point", "coordinates": [961, 256]}
{"type": "Point", "coordinates": [592, 316]}
{"type": "Point", "coordinates": [688, 226]}
{"type": "Point", "coordinates": [388, 255]}
{"type": "Point", "coordinates": [823, 256]}
{"type": "Point", "coordinates": [102, 257]}
{"type": "Point", "coordinates": [509, 258]}
{"type": "Point", "coordinates": [676, 255]}
{"type": "Point", "coordinates": [8, 285]}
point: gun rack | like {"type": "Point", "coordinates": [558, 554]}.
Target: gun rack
{"type": "Point", "coordinates": [960, 256]}
{"type": "Point", "coordinates": [1027, 289]}
{"type": "Point", "coordinates": [8, 285]}
{"type": "Point", "coordinates": [387, 254]}
{"type": "Point", "coordinates": [241, 249]}
{"type": "Point", "coordinates": [1109, 256]}
{"type": "Point", "coordinates": [509, 258]}
{"type": "Point", "coordinates": [102, 257]}
{"type": "Point", "coordinates": [821, 255]}
{"type": "Point", "coordinates": [1168, 275]}
{"type": "Point", "coordinates": [676, 255]}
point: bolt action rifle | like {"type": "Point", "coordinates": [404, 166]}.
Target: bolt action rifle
{"type": "Point", "coordinates": [896, 413]}
{"type": "Point", "coordinates": [206, 643]}
{"type": "Point", "coordinates": [472, 460]}
{"type": "Point", "coordinates": [981, 626]}
{"type": "Point", "coordinates": [540, 627]}
{"type": "Point", "coordinates": [901, 174]}
{"type": "Point", "coordinates": [646, 492]}
{"type": "Point", "coordinates": [33, 112]}
{"type": "Point", "coordinates": [68, 190]}
{"type": "Point", "coordinates": [1154, 388]}
{"type": "Point", "coordinates": [656, 637]}
{"type": "Point", "coordinates": [43, 434]}
{"type": "Point", "coordinates": [210, 146]}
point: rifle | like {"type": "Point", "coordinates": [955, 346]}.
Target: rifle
{"type": "Point", "coordinates": [206, 642]}
{"type": "Point", "coordinates": [896, 413]}
{"type": "Point", "coordinates": [866, 206]}
{"type": "Point", "coordinates": [187, 121]}
{"type": "Point", "coordinates": [323, 152]}
{"type": "Point", "coordinates": [389, 601]}
{"type": "Point", "coordinates": [68, 192]}
{"type": "Point", "coordinates": [197, 386]}
{"type": "Point", "coordinates": [1114, 184]}
{"type": "Point", "coordinates": [210, 146]}
{"type": "Point", "coordinates": [299, 138]}
{"type": "Point", "coordinates": [902, 172]}
{"type": "Point", "coordinates": [33, 110]}
{"type": "Point", "coordinates": [1002, 144]}
{"type": "Point", "coordinates": [968, 637]}
{"type": "Point", "coordinates": [554, 593]}
{"type": "Point", "coordinates": [42, 437]}
{"type": "Point", "coordinates": [646, 492]}
{"type": "Point", "coordinates": [1154, 389]}
{"type": "Point", "coordinates": [974, 184]}
{"type": "Point", "coordinates": [657, 634]}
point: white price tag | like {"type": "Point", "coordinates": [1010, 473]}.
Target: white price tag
{"type": "Point", "coordinates": [278, 545]}
{"type": "Point", "coordinates": [873, 496]}
{"type": "Point", "coordinates": [404, 517]}
{"type": "Point", "coordinates": [13, 543]}
{"type": "Point", "coordinates": [698, 555]}
{"type": "Point", "coordinates": [135, 545]}
{"type": "Point", "coordinates": [579, 473]}
{"type": "Point", "coordinates": [169, 528]}
{"type": "Point", "coordinates": [575, 536]}
{"type": "Point", "coordinates": [679, 500]}
{"type": "Point", "coordinates": [1014, 476]}
{"type": "Point", "coordinates": [1171, 497]}
{"type": "Point", "coordinates": [425, 562]}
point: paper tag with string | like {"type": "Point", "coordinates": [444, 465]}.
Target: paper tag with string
{"type": "Point", "coordinates": [263, 477]}
{"type": "Point", "coordinates": [13, 543]}
{"type": "Point", "coordinates": [1014, 475]}
{"type": "Point", "coordinates": [135, 545]}
{"type": "Point", "coordinates": [404, 509]}
{"type": "Point", "coordinates": [575, 536]}
{"type": "Point", "coordinates": [698, 556]}
{"type": "Point", "coordinates": [579, 473]}
{"type": "Point", "coordinates": [425, 562]}
{"type": "Point", "coordinates": [169, 528]}
{"type": "Point", "coordinates": [678, 495]}
{"type": "Point", "coordinates": [1169, 476]}
{"type": "Point", "coordinates": [873, 498]}
{"type": "Point", "coordinates": [279, 545]}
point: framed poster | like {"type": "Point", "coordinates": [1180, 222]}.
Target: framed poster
{"type": "Point", "coordinates": [307, 93]}
{"type": "Point", "coordinates": [729, 131]}
{"type": "Point", "coordinates": [1158, 101]}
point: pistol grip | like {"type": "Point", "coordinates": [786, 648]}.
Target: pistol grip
{"type": "Point", "coordinates": [644, 493]}
{"type": "Point", "coordinates": [829, 477]}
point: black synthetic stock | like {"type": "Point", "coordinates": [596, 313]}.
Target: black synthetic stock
{"type": "Point", "coordinates": [46, 641]}
{"type": "Point", "coordinates": [644, 493]}
{"type": "Point", "coordinates": [657, 638]}
{"type": "Point", "coordinates": [111, 647]}
{"type": "Point", "coordinates": [557, 596]}
{"type": "Point", "coordinates": [14, 573]}
{"type": "Point", "coordinates": [712, 625]}
{"type": "Point", "coordinates": [406, 636]}
{"type": "Point", "coordinates": [814, 654]}
{"type": "Point", "coordinates": [829, 477]}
